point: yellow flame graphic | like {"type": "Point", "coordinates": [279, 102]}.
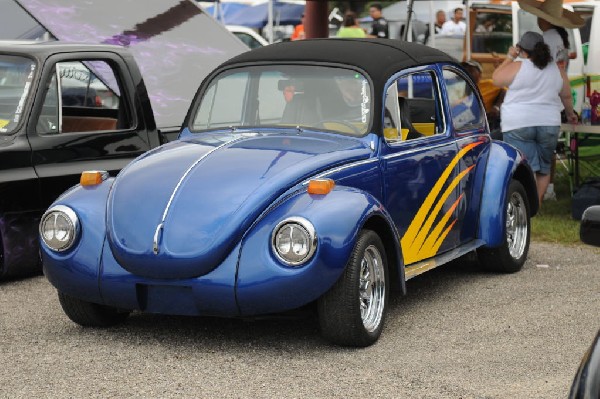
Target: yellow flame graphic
{"type": "Point", "coordinates": [422, 239]}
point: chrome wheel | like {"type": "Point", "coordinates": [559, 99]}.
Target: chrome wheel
{"type": "Point", "coordinates": [510, 255]}
{"type": "Point", "coordinates": [352, 312]}
{"type": "Point", "coordinates": [371, 288]}
{"type": "Point", "coordinates": [516, 225]}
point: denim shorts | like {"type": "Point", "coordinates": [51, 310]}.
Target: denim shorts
{"type": "Point", "coordinates": [537, 143]}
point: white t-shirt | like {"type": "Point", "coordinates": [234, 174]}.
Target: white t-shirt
{"type": "Point", "coordinates": [532, 98]}
{"type": "Point", "coordinates": [557, 48]}
{"type": "Point", "coordinates": [453, 28]}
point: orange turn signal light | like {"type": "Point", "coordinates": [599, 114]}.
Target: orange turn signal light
{"type": "Point", "coordinates": [320, 186]}
{"type": "Point", "coordinates": [93, 177]}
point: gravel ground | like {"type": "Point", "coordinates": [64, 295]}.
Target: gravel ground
{"type": "Point", "coordinates": [459, 333]}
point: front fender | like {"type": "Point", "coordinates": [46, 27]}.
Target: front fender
{"type": "Point", "coordinates": [75, 271]}
{"type": "Point", "coordinates": [265, 285]}
{"type": "Point", "coordinates": [504, 163]}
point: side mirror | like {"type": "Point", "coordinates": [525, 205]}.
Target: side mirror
{"type": "Point", "coordinates": [589, 230]}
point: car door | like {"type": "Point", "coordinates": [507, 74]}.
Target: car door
{"type": "Point", "coordinates": [468, 121]}
{"type": "Point", "coordinates": [419, 160]}
{"type": "Point", "coordinates": [83, 120]}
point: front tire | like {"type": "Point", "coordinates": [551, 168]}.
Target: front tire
{"type": "Point", "coordinates": [352, 312]}
{"type": "Point", "coordinates": [511, 255]}
{"type": "Point", "coordinates": [90, 314]}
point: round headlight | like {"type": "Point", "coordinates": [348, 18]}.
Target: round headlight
{"type": "Point", "coordinates": [294, 241]}
{"type": "Point", "coordinates": [59, 228]}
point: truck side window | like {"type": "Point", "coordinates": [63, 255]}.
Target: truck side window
{"type": "Point", "coordinates": [83, 96]}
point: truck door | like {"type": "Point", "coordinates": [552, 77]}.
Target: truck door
{"type": "Point", "coordinates": [83, 118]}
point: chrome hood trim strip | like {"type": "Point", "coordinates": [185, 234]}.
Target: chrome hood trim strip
{"type": "Point", "coordinates": [157, 233]}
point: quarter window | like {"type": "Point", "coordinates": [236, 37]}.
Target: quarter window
{"type": "Point", "coordinates": [465, 107]}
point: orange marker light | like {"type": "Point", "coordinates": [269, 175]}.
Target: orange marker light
{"type": "Point", "coordinates": [320, 186]}
{"type": "Point", "coordinates": [93, 177]}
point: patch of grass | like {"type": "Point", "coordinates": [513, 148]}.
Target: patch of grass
{"type": "Point", "coordinates": [554, 222]}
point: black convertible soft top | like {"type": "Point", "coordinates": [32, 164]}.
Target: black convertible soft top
{"type": "Point", "coordinates": [379, 58]}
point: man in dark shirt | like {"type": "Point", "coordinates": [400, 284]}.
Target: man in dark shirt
{"type": "Point", "coordinates": [379, 27]}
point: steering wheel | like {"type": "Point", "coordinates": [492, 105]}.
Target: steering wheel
{"type": "Point", "coordinates": [353, 129]}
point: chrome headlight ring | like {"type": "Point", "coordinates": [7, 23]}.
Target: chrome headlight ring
{"type": "Point", "coordinates": [59, 228]}
{"type": "Point", "coordinates": [294, 241]}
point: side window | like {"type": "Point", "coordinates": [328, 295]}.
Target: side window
{"type": "Point", "coordinates": [83, 96]}
{"type": "Point", "coordinates": [414, 100]}
{"type": "Point", "coordinates": [465, 108]}
{"type": "Point", "coordinates": [493, 32]}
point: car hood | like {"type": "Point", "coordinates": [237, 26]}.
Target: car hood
{"type": "Point", "coordinates": [179, 210]}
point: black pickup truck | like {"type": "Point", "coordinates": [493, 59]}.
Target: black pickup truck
{"type": "Point", "coordinates": [64, 108]}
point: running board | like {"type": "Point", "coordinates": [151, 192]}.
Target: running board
{"type": "Point", "coordinates": [425, 265]}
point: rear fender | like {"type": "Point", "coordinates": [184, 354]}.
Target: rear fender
{"type": "Point", "coordinates": [504, 163]}
{"type": "Point", "coordinates": [265, 285]}
{"type": "Point", "coordinates": [75, 271]}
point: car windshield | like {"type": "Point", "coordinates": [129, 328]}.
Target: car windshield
{"type": "Point", "coordinates": [307, 96]}
{"type": "Point", "coordinates": [16, 74]}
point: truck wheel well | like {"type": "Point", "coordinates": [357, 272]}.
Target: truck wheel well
{"type": "Point", "coordinates": [524, 176]}
{"type": "Point", "coordinates": [380, 226]}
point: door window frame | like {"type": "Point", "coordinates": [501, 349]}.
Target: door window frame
{"type": "Point", "coordinates": [115, 62]}
{"type": "Point", "coordinates": [441, 125]}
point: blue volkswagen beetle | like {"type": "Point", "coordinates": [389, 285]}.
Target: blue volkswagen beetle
{"type": "Point", "coordinates": [305, 172]}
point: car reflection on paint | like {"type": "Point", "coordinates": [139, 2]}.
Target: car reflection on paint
{"type": "Point", "coordinates": [302, 175]}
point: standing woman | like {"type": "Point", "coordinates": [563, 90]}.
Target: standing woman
{"type": "Point", "coordinates": [531, 109]}
{"type": "Point", "coordinates": [350, 27]}
{"type": "Point", "coordinates": [552, 20]}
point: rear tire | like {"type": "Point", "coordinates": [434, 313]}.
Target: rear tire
{"type": "Point", "coordinates": [90, 314]}
{"type": "Point", "coordinates": [352, 312]}
{"type": "Point", "coordinates": [511, 255]}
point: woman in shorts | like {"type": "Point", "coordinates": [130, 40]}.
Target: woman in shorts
{"type": "Point", "coordinates": [531, 109]}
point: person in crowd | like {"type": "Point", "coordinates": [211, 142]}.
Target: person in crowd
{"type": "Point", "coordinates": [299, 31]}
{"type": "Point", "coordinates": [456, 26]}
{"type": "Point", "coordinates": [350, 27]}
{"type": "Point", "coordinates": [440, 19]}
{"type": "Point", "coordinates": [492, 96]}
{"type": "Point", "coordinates": [531, 109]}
{"type": "Point", "coordinates": [379, 27]}
{"type": "Point", "coordinates": [552, 21]}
